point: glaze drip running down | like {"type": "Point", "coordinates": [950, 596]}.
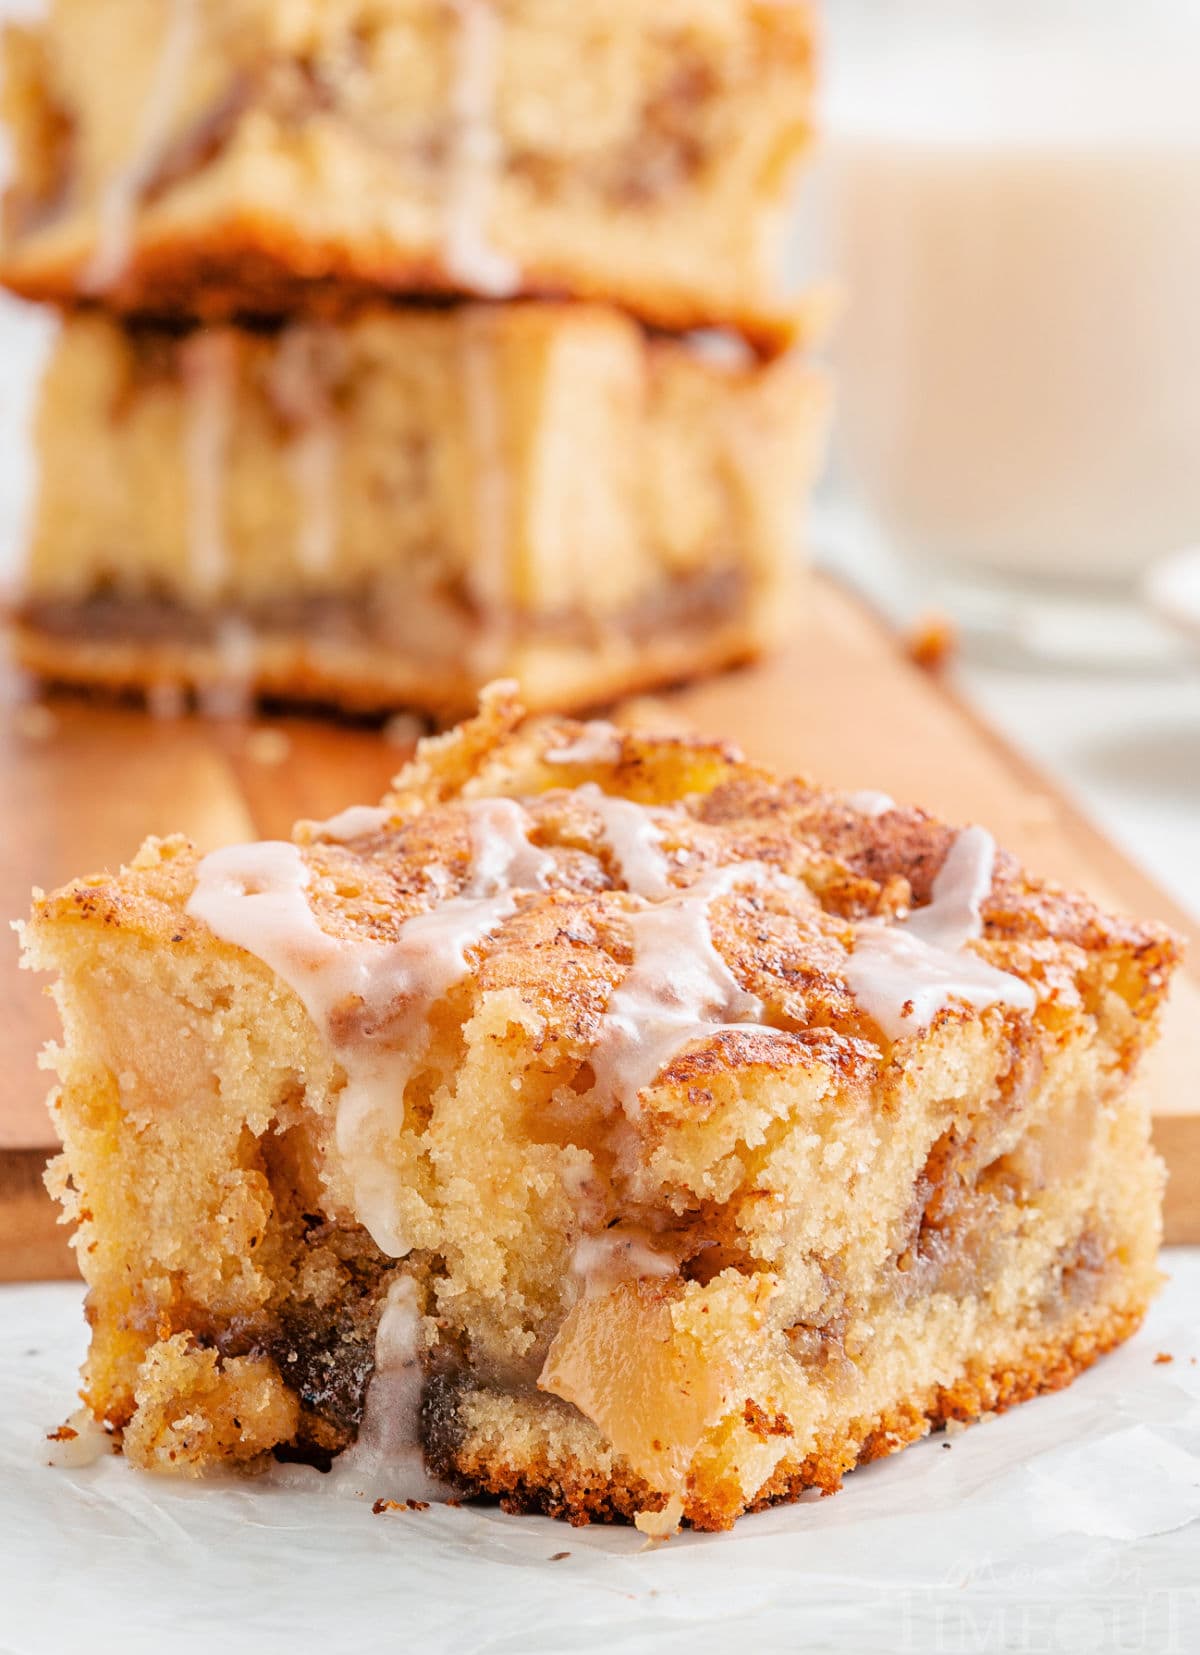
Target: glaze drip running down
{"type": "Point", "coordinates": [469, 255]}
{"type": "Point", "coordinates": [388, 1444]}
{"type": "Point", "coordinates": [490, 576]}
{"type": "Point", "coordinates": [300, 388]}
{"type": "Point", "coordinates": [124, 192]}
{"type": "Point", "coordinates": [208, 360]}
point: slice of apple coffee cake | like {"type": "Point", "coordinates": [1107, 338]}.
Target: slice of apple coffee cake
{"type": "Point", "coordinates": [612, 1127]}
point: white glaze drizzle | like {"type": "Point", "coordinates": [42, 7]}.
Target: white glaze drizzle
{"type": "Point", "coordinates": [230, 694]}
{"type": "Point", "coordinates": [208, 367]}
{"type": "Point", "coordinates": [487, 562]}
{"type": "Point", "coordinates": [504, 857]}
{"type": "Point", "coordinates": [953, 915]}
{"type": "Point", "coordinates": [386, 1457]}
{"type": "Point", "coordinates": [355, 822]}
{"type": "Point", "coordinates": [300, 389]}
{"type": "Point", "coordinates": [476, 154]}
{"type": "Point", "coordinates": [635, 840]}
{"type": "Point", "coordinates": [256, 897]}
{"type": "Point", "coordinates": [678, 989]}
{"type": "Point", "coordinates": [868, 802]}
{"type": "Point", "coordinates": [904, 974]}
{"type": "Point", "coordinates": [598, 742]}
{"type": "Point", "coordinates": [120, 200]}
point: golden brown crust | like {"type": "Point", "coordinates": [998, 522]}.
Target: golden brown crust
{"type": "Point", "coordinates": [576, 1492]}
{"type": "Point", "coordinates": [255, 265]}
{"type": "Point", "coordinates": [721, 810]}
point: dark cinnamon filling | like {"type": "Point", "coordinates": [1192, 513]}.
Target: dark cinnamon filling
{"type": "Point", "coordinates": [431, 624]}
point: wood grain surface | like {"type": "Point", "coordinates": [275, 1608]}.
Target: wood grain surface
{"type": "Point", "coordinates": [82, 784]}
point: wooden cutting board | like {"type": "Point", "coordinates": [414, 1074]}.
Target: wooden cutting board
{"type": "Point", "coordinates": [81, 785]}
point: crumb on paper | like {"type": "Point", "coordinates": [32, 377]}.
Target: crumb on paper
{"type": "Point", "coordinates": [34, 721]}
{"type": "Point", "coordinates": [1163, 1357]}
{"type": "Point", "coordinates": [79, 1441]}
{"type": "Point", "coordinates": [661, 1525]}
{"type": "Point", "coordinates": [268, 746]}
{"type": "Point", "coordinates": [931, 642]}
{"type": "Point", "coordinates": [557, 1557]}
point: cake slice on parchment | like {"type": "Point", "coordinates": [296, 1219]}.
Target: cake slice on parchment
{"type": "Point", "coordinates": [601, 1124]}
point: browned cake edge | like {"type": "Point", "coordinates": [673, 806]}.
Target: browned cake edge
{"type": "Point", "coordinates": [370, 679]}
{"type": "Point", "coordinates": [253, 264]}
{"type": "Point", "coordinates": [569, 1490]}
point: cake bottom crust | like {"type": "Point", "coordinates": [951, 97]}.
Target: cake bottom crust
{"type": "Point", "coordinates": [102, 644]}
{"type": "Point", "coordinates": [247, 261]}
{"type": "Point", "coordinates": [569, 1488]}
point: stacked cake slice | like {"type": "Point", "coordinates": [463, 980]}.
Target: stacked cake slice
{"type": "Point", "coordinates": [405, 343]}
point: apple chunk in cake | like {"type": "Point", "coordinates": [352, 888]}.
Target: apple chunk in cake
{"type": "Point", "coordinates": [601, 1124]}
{"type": "Point", "coordinates": [392, 510]}
{"type": "Point", "coordinates": [254, 156]}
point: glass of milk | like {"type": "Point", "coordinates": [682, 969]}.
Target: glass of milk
{"type": "Point", "coordinates": [1014, 206]}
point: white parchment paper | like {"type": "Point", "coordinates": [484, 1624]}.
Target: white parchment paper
{"type": "Point", "coordinates": [1072, 1523]}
